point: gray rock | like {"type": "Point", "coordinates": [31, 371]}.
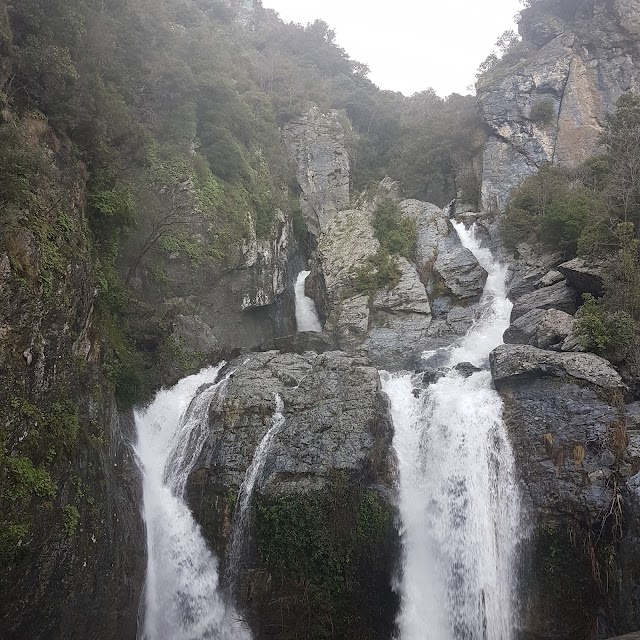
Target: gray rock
{"type": "Point", "coordinates": [524, 329]}
{"type": "Point", "coordinates": [540, 328]}
{"type": "Point", "coordinates": [192, 334]}
{"type": "Point", "coordinates": [550, 278]}
{"type": "Point", "coordinates": [554, 328]}
{"type": "Point", "coordinates": [461, 273]}
{"type": "Point", "coordinates": [316, 145]}
{"type": "Point", "coordinates": [584, 277]}
{"type": "Point", "coordinates": [337, 419]}
{"type": "Point", "coordinates": [524, 361]}
{"type": "Point", "coordinates": [579, 67]}
{"type": "Point", "coordinates": [409, 295]}
{"type": "Point", "coordinates": [558, 296]}
{"type": "Point", "coordinates": [301, 342]}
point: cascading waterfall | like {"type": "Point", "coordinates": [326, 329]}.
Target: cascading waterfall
{"type": "Point", "coordinates": [459, 501]}
{"type": "Point", "coordinates": [182, 596]}
{"type": "Point", "coordinates": [306, 314]}
{"type": "Point", "coordinates": [241, 518]}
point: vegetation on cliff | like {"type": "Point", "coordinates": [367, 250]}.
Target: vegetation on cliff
{"type": "Point", "coordinates": [594, 212]}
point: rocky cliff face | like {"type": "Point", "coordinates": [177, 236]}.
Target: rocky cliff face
{"type": "Point", "coordinates": [322, 503]}
{"type": "Point", "coordinates": [573, 438]}
{"type": "Point", "coordinates": [430, 305]}
{"type": "Point", "coordinates": [70, 531]}
{"type": "Point", "coordinates": [551, 107]}
{"type": "Point", "coordinates": [316, 145]}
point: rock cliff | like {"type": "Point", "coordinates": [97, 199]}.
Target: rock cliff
{"type": "Point", "coordinates": [551, 106]}
{"type": "Point", "coordinates": [316, 145]}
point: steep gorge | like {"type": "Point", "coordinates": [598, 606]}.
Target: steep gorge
{"type": "Point", "coordinates": [322, 551]}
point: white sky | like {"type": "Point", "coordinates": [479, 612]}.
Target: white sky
{"type": "Point", "coordinates": [411, 45]}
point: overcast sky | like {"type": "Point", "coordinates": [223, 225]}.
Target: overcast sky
{"type": "Point", "coordinates": [411, 45]}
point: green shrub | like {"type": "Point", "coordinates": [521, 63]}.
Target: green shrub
{"type": "Point", "coordinates": [396, 234]}
{"type": "Point", "coordinates": [609, 334]}
{"type": "Point", "coordinates": [542, 112]}
{"type": "Point", "coordinates": [550, 208]}
{"type": "Point", "coordinates": [379, 271]}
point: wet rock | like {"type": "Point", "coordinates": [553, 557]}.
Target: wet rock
{"type": "Point", "coordinates": [558, 296]}
{"type": "Point", "coordinates": [583, 277]}
{"type": "Point", "coordinates": [466, 369]}
{"type": "Point", "coordinates": [523, 361]}
{"type": "Point", "coordinates": [431, 376]}
{"type": "Point", "coordinates": [330, 465]}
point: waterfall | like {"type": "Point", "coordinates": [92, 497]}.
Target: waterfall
{"type": "Point", "coordinates": [182, 596]}
{"type": "Point", "coordinates": [241, 517]}
{"type": "Point", "coordinates": [459, 501]}
{"type": "Point", "coordinates": [306, 314]}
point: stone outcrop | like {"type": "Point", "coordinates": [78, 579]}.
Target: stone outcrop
{"type": "Point", "coordinates": [71, 536]}
{"type": "Point", "coordinates": [566, 418]}
{"type": "Point", "coordinates": [583, 277]}
{"type": "Point", "coordinates": [441, 259]}
{"type": "Point", "coordinates": [551, 107]}
{"type": "Point", "coordinates": [329, 465]}
{"type": "Point", "coordinates": [524, 361]}
{"type": "Point", "coordinates": [316, 145]}
{"type": "Point", "coordinates": [559, 296]}
{"type": "Point", "coordinates": [540, 328]}
{"type": "Point", "coordinates": [430, 305]}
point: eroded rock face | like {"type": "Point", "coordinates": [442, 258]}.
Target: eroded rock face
{"type": "Point", "coordinates": [580, 64]}
{"type": "Point", "coordinates": [316, 144]}
{"type": "Point", "coordinates": [523, 361]}
{"type": "Point", "coordinates": [72, 549]}
{"type": "Point", "coordinates": [540, 328]}
{"type": "Point", "coordinates": [430, 305]}
{"type": "Point", "coordinates": [560, 432]}
{"type": "Point", "coordinates": [583, 277]}
{"type": "Point", "coordinates": [330, 465]}
{"type": "Point", "coordinates": [559, 296]}
{"type": "Point", "coordinates": [573, 441]}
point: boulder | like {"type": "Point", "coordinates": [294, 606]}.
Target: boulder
{"type": "Point", "coordinates": [461, 273]}
{"type": "Point", "coordinates": [524, 361]}
{"type": "Point", "coordinates": [543, 328]}
{"type": "Point", "coordinates": [466, 369]}
{"type": "Point", "coordinates": [554, 328]}
{"type": "Point", "coordinates": [550, 278]}
{"type": "Point", "coordinates": [327, 473]}
{"type": "Point", "coordinates": [524, 329]}
{"type": "Point", "coordinates": [558, 296]}
{"type": "Point", "coordinates": [408, 296]}
{"type": "Point", "coordinates": [584, 277]}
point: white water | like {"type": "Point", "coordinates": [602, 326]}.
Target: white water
{"type": "Point", "coordinates": [182, 598]}
{"type": "Point", "coordinates": [241, 518]}
{"type": "Point", "coordinates": [459, 503]}
{"type": "Point", "coordinates": [306, 314]}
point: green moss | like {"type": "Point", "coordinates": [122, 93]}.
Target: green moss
{"type": "Point", "coordinates": [70, 519]}
{"type": "Point", "coordinates": [322, 544]}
